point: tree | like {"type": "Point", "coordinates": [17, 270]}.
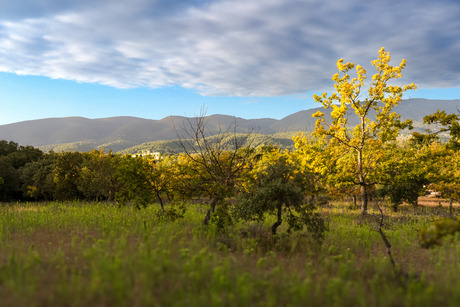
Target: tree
{"type": "Point", "coordinates": [38, 178]}
{"type": "Point", "coordinates": [278, 185]}
{"type": "Point", "coordinates": [67, 175]}
{"type": "Point", "coordinates": [377, 124]}
{"type": "Point", "coordinates": [447, 178]}
{"type": "Point", "coordinates": [97, 178]}
{"type": "Point", "coordinates": [24, 155]}
{"type": "Point", "coordinates": [331, 167]}
{"type": "Point", "coordinates": [449, 123]}
{"type": "Point", "coordinates": [10, 189]}
{"type": "Point", "coordinates": [13, 158]}
{"type": "Point", "coordinates": [217, 159]}
{"type": "Point", "coordinates": [161, 177]}
{"type": "Point", "coordinates": [7, 148]}
{"type": "Point", "coordinates": [133, 181]}
{"type": "Point", "coordinates": [403, 174]}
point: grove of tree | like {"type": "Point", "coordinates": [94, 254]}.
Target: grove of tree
{"type": "Point", "coordinates": [237, 179]}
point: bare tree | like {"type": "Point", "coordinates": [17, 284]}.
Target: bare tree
{"type": "Point", "coordinates": [218, 157]}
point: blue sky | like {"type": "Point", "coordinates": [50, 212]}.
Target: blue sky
{"type": "Point", "coordinates": [251, 59]}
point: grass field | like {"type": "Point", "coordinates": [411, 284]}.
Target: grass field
{"type": "Point", "coordinates": [95, 254]}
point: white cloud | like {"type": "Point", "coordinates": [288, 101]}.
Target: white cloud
{"type": "Point", "coordinates": [238, 47]}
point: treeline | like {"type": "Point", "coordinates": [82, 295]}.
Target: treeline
{"type": "Point", "coordinates": [29, 174]}
{"type": "Point", "coordinates": [242, 183]}
{"type": "Point", "coordinates": [240, 179]}
{"type": "Point", "coordinates": [402, 172]}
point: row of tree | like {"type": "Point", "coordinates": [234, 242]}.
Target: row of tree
{"type": "Point", "coordinates": [262, 176]}
{"type": "Point", "coordinates": [338, 160]}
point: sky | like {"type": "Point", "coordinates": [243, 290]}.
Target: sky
{"type": "Point", "coordinates": [246, 58]}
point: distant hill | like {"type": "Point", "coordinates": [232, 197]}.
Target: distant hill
{"type": "Point", "coordinates": [122, 133]}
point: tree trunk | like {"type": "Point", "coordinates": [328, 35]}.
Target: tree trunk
{"type": "Point", "coordinates": [364, 198]}
{"type": "Point", "coordinates": [157, 194]}
{"type": "Point", "coordinates": [278, 222]}
{"type": "Point", "coordinates": [451, 200]}
{"type": "Point", "coordinates": [207, 218]}
{"type": "Point", "coordinates": [161, 202]}
{"type": "Point", "coordinates": [361, 177]}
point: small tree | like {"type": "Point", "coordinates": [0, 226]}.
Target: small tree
{"type": "Point", "coordinates": [445, 174]}
{"type": "Point", "coordinates": [447, 179]}
{"type": "Point", "coordinates": [38, 178]}
{"type": "Point", "coordinates": [13, 158]}
{"type": "Point", "coordinates": [450, 123]}
{"type": "Point", "coordinates": [377, 124]}
{"type": "Point", "coordinates": [279, 186]}
{"type": "Point", "coordinates": [67, 175]}
{"type": "Point", "coordinates": [217, 159]}
{"type": "Point", "coordinates": [161, 176]}
{"type": "Point", "coordinates": [404, 174]}
{"type": "Point", "coordinates": [98, 175]}
{"type": "Point", "coordinates": [132, 175]}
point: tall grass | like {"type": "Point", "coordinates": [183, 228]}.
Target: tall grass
{"type": "Point", "coordinates": [77, 254]}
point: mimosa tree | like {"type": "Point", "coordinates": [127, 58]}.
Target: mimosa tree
{"type": "Point", "coordinates": [373, 106]}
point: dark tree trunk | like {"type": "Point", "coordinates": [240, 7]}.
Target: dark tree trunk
{"type": "Point", "coordinates": [161, 202]}
{"type": "Point", "coordinates": [364, 198]}
{"type": "Point", "coordinates": [157, 193]}
{"type": "Point", "coordinates": [278, 222]}
{"type": "Point", "coordinates": [207, 218]}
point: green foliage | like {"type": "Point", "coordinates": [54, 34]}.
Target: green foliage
{"type": "Point", "coordinates": [445, 171]}
{"type": "Point", "coordinates": [398, 192]}
{"type": "Point", "coordinates": [132, 176]}
{"type": "Point", "coordinates": [174, 212]}
{"type": "Point", "coordinates": [279, 186]}
{"type": "Point", "coordinates": [222, 217]}
{"type": "Point", "coordinates": [38, 178]}
{"type": "Point", "coordinates": [421, 139]}
{"type": "Point", "coordinates": [13, 158]}
{"type": "Point", "coordinates": [404, 174]}
{"type": "Point", "coordinates": [97, 180]}
{"type": "Point", "coordinates": [7, 148]}
{"type": "Point", "coordinates": [306, 216]}
{"type": "Point", "coordinates": [10, 189]}
{"type": "Point", "coordinates": [272, 189]}
{"type": "Point", "coordinates": [435, 233]}
{"type": "Point", "coordinates": [67, 175]}
{"type": "Point", "coordinates": [449, 123]}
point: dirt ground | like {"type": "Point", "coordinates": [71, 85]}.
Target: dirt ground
{"type": "Point", "coordinates": [435, 201]}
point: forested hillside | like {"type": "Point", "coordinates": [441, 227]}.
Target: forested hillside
{"type": "Point", "coordinates": [121, 133]}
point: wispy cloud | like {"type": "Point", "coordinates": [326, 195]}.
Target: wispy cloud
{"type": "Point", "coordinates": [228, 47]}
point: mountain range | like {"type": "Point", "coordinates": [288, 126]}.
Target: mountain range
{"type": "Point", "coordinates": [126, 134]}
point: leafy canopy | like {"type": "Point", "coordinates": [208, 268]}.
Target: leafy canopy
{"type": "Point", "coordinates": [381, 98]}
{"type": "Point", "coordinates": [377, 123]}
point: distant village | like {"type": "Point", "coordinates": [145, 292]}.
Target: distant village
{"type": "Point", "coordinates": [145, 153]}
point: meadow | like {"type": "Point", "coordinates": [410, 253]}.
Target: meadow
{"type": "Point", "coordinates": [99, 254]}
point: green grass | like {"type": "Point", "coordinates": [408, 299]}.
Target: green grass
{"type": "Point", "coordinates": [88, 254]}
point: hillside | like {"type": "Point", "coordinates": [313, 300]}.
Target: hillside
{"type": "Point", "coordinates": [122, 133]}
